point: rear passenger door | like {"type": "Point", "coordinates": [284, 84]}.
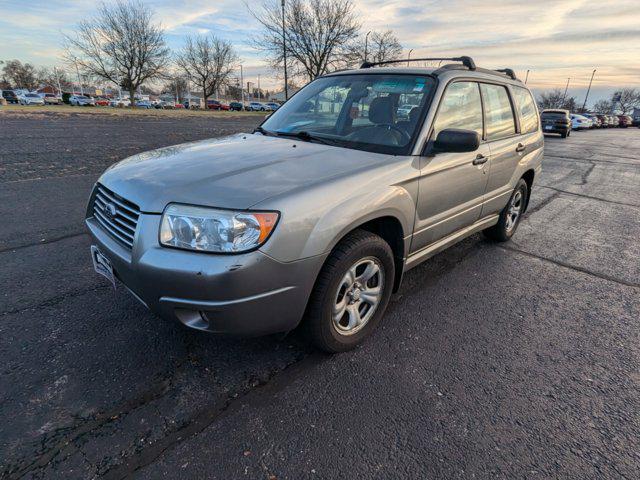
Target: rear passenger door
{"type": "Point", "coordinates": [504, 144]}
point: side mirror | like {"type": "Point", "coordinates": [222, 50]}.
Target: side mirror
{"type": "Point", "coordinates": [456, 140]}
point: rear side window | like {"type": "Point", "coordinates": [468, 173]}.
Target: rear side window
{"type": "Point", "coordinates": [460, 108]}
{"type": "Point", "coordinates": [527, 109]}
{"type": "Point", "coordinates": [498, 111]}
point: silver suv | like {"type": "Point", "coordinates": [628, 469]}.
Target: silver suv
{"type": "Point", "coordinates": [316, 215]}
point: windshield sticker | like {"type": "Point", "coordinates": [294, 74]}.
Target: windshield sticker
{"type": "Point", "coordinates": [419, 85]}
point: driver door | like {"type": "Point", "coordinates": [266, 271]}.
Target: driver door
{"type": "Point", "coordinates": [452, 185]}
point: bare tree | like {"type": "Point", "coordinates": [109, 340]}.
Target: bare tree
{"type": "Point", "coordinates": [603, 106]}
{"type": "Point", "coordinates": [54, 77]}
{"type": "Point", "coordinates": [176, 86]}
{"type": "Point", "coordinates": [556, 99]}
{"type": "Point", "coordinates": [629, 98]}
{"type": "Point", "coordinates": [120, 44]}
{"type": "Point", "coordinates": [20, 75]}
{"type": "Point", "coordinates": [317, 34]}
{"type": "Point", "coordinates": [209, 62]}
{"type": "Point", "coordinates": [379, 47]}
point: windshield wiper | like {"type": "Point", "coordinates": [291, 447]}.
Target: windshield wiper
{"type": "Point", "coordinates": [262, 131]}
{"type": "Point", "coordinates": [307, 137]}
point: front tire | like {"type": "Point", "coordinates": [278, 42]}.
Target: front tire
{"type": "Point", "coordinates": [351, 293]}
{"type": "Point", "coordinates": [511, 215]}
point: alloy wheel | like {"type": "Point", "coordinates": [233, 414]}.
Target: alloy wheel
{"type": "Point", "coordinates": [514, 210]}
{"type": "Point", "coordinates": [358, 295]}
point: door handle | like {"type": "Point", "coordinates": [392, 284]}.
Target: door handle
{"type": "Point", "coordinates": [520, 148]}
{"type": "Point", "coordinates": [480, 159]}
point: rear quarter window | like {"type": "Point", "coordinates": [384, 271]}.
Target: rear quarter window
{"type": "Point", "coordinates": [500, 122]}
{"type": "Point", "coordinates": [527, 109]}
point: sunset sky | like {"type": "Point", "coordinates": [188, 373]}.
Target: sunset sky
{"type": "Point", "coordinates": [555, 40]}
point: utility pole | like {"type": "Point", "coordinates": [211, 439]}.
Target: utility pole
{"type": "Point", "coordinates": [584, 105]}
{"type": "Point", "coordinates": [259, 91]}
{"type": "Point", "coordinates": [565, 91]}
{"type": "Point", "coordinates": [79, 81]}
{"type": "Point", "coordinates": [366, 44]}
{"type": "Point", "coordinates": [526, 77]}
{"type": "Point", "coordinates": [284, 56]}
{"type": "Point", "coordinates": [55, 72]}
{"type": "Point", "coordinates": [409, 57]}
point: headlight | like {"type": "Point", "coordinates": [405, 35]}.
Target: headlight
{"type": "Point", "coordinates": [212, 230]}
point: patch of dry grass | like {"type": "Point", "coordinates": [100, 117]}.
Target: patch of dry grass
{"type": "Point", "coordinates": [69, 110]}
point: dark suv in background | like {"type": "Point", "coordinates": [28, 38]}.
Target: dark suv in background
{"type": "Point", "coordinates": [9, 96]}
{"type": "Point", "coordinates": [556, 121]}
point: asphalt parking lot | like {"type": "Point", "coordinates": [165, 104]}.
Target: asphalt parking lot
{"type": "Point", "coordinates": [519, 360]}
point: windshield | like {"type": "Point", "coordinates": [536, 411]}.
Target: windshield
{"type": "Point", "coordinates": [356, 111]}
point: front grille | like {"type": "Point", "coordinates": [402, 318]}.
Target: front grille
{"type": "Point", "coordinates": [119, 217]}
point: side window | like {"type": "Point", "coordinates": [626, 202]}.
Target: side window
{"type": "Point", "coordinates": [498, 111]}
{"type": "Point", "coordinates": [460, 107]}
{"type": "Point", "coordinates": [527, 109]}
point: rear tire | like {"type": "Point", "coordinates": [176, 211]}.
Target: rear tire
{"type": "Point", "coordinates": [351, 293]}
{"type": "Point", "coordinates": [511, 215]}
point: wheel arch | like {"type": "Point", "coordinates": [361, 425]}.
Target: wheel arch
{"type": "Point", "coordinates": [528, 177]}
{"type": "Point", "coordinates": [388, 227]}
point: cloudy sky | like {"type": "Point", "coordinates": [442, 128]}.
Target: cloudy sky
{"type": "Point", "coordinates": [554, 39]}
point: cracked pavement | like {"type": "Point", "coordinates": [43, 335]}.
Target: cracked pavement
{"type": "Point", "coordinates": [512, 360]}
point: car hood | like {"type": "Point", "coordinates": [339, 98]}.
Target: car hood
{"type": "Point", "coordinates": [233, 172]}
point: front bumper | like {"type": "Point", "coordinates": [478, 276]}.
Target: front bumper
{"type": "Point", "coordinates": [246, 294]}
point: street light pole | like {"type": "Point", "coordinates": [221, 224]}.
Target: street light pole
{"type": "Point", "coordinates": [526, 77]}
{"type": "Point", "coordinates": [409, 57]}
{"type": "Point", "coordinates": [79, 81]}
{"type": "Point", "coordinates": [366, 44]}
{"type": "Point", "coordinates": [284, 57]}
{"type": "Point", "coordinates": [242, 85]}
{"type": "Point", "coordinates": [55, 71]}
{"type": "Point", "coordinates": [584, 105]}
{"type": "Point", "coordinates": [259, 91]}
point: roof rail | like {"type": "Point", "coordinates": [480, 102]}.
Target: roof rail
{"type": "Point", "coordinates": [508, 72]}
{"type": "Point", "coordinates": [466, 61]}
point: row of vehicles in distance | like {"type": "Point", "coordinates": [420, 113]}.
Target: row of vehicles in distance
{"type": "Point", "coordinates": [238, 106]}
{"type": "Point", "coordinates": [24, 97]}
{"type": "Point", "coordinates": [562, 122]}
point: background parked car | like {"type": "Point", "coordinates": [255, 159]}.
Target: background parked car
{"type": "Point", "coordinates": [10, 96]}
{"type": "Point", "coordinates": [624, 121]}
{"type": "Point", "coordinates": [595, 121]}
{"type": "Point", "coordinates": [236, 106]}
{"type": "Point", "coordinates": [144, 104]}
{"type": "Point", "coordinates": [580, 122]}
{"type": "Point", "coordinates": [556, 121]}
{"type": "Point", "coordinates": [51, 99]}
{"type": "Point", "coordinates": [102, 102]}
{"type": "Point", "coordinates": [613, 121]}
{"type": "Point", "coordinates": [217, 105]}
{"type": "Point", "coordinates": [603, 120]}
{"type": "Point", "coordinates": [273, 106]}
{"type": "Point", "coordinates": [636, 119]}
{"type": "Point", "coordinates": [120, 102]}
{"type": "Point", "coordinates": [31, 99]}
{"type": "Point", "coordinates": [81, 101]}
{"type": "Point", "coordinates": [404, 110]}
{"type": "Point", "coordinates": [257, 107]}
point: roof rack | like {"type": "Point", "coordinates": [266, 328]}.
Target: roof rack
{"type": "Point", "coordinates": [466, 61]}
{"type": "Point", "coordinates": [508, 72]}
